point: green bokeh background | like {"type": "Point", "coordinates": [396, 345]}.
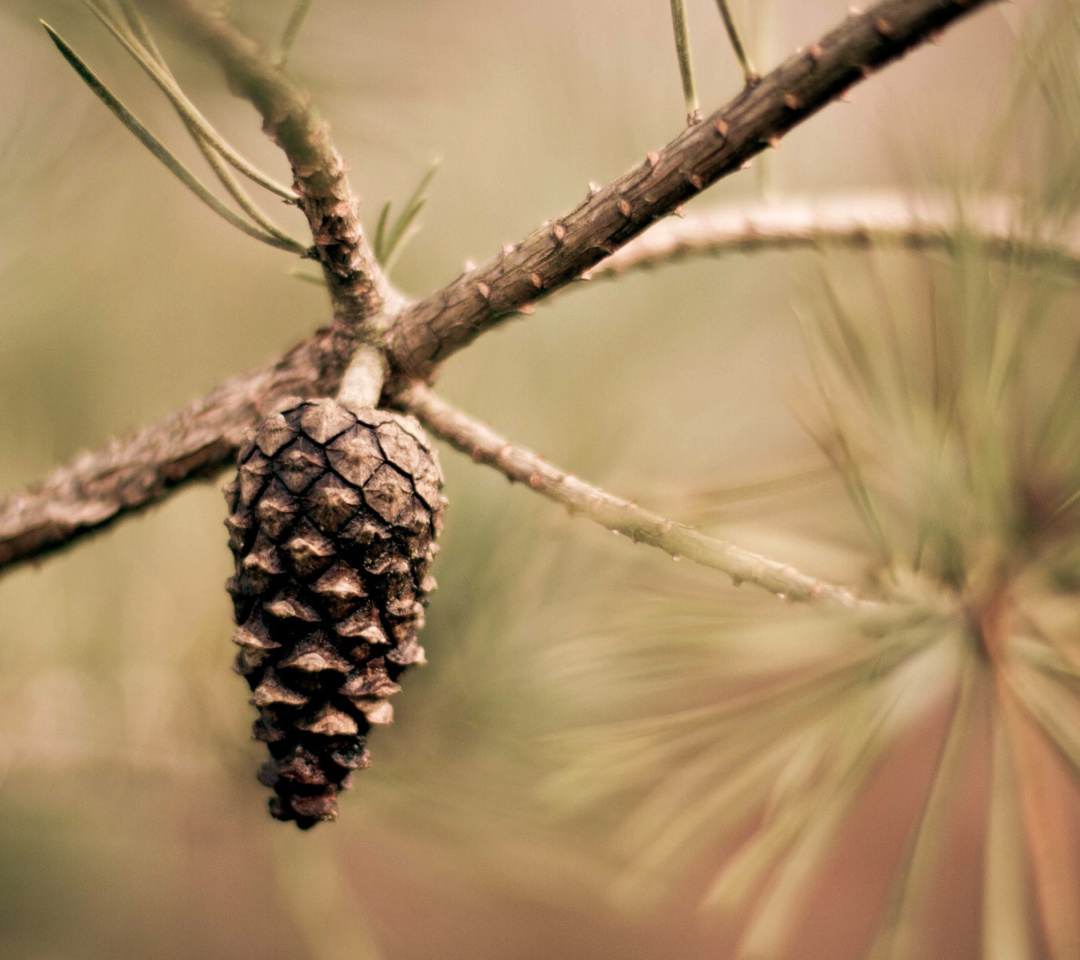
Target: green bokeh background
{"type": "Point", "coordinates": [130, 821]}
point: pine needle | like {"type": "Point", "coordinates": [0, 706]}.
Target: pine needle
{"type": "Point", "coordinates": [391, 239]}
{"type": "Point", "coordinates": [292, 31]}
{"type": "Point", "coordinates": [750, 75]}
{"type": "Point", "coordinates": [160, 151]}
{"type": "Point", "coordinates": [308, 277]}
{"type": "Point", "coordinates": [769, 930]}
{"type": "Point", "coordinates": [139, 43]}
{"type": "Point", "coordinates": [895, 934]}
{"type": "Point", "coordinates": [1006, 925]}
{"type": "Point", "coordinates": [686, 66]}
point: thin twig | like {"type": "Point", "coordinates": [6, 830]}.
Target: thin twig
{"type": "Point", "coordinates": [749, 73]}
{"type": "Point", "coordinates": [686, 63]}
{"type": "Point", "coordinates": [855, 221]}
{"type": "Point", "coordinates": [429, 331]}
{"type": "Point", "coordinates": [484, 445]}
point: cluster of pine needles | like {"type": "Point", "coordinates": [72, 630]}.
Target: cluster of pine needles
{"type": "Point", "coordinates": [945, 399]}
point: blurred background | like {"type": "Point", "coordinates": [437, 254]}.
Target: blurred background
{"type": "Point", "coordinates": [558, 781]}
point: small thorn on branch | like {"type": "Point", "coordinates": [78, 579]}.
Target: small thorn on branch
{"type": "Point", "coordinates": [96, 491]}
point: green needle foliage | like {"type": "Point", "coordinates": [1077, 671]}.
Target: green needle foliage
{"type": "Point", "coordinates": [136, 39]}
{"type": "Point", "coordinates": [742, 739]}
{"type": "Point", "coordinates": [292, 30]}
{"type": "Point", "coordinates": [132, 33]}
{"type": "Point", "coordinates": [391, 238]}
{"type": "Point", "coordinates": [686, 63]}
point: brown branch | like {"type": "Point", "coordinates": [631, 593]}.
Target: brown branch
{"type": "Point", "coordinates": [431, 330]}
{"type": "Point", "coordinates": [484, 445]}
{"type": "Point", "coordinates": [854, 221]}
{"type": "Point", "coordinates": [130, 474]}
{"type": "Point", "coordinates": [358, 287]}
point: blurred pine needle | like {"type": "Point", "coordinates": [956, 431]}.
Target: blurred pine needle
{"type": "Point", "coordinates": [946, 396]}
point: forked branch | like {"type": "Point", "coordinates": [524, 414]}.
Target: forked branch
{"type": "Point", "coordinates": [431, 330]}
{"type": "Point", "coordinates": [130, 474]}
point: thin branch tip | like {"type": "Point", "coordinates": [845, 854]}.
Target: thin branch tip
{"type": "Point", "coordinates": [483, 445]}
{"type": "Point", "coordinates": [430, 330]}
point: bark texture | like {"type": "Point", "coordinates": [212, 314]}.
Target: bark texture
{"type": "Point", "coordinates": [358, 287]}
{"type": "Point", "coordinates": [558, 252]}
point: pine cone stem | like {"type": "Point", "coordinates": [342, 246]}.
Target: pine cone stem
{"type": "Point", "coordinates": [362, 383]}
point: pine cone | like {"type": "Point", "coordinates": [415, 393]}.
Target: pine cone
{"type": "Point", "coordinates": [333, 517]}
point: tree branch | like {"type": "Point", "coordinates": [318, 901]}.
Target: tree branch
{"type": "Point", "coordinates": [130, 474]}
{"type": "Point", "coordinates": [431, 330]}
{"type": "Point", "coordinates": [134, 472]}
{"type": "Point", "coordinates": [855, 221]}
{"type": "Point", "coordinates": [358, 287]}
{"type": "Point", "coordinates": [484, 445]}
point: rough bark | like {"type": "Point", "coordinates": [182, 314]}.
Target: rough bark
{"type": "Point", "coordinates": [134, 472]}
